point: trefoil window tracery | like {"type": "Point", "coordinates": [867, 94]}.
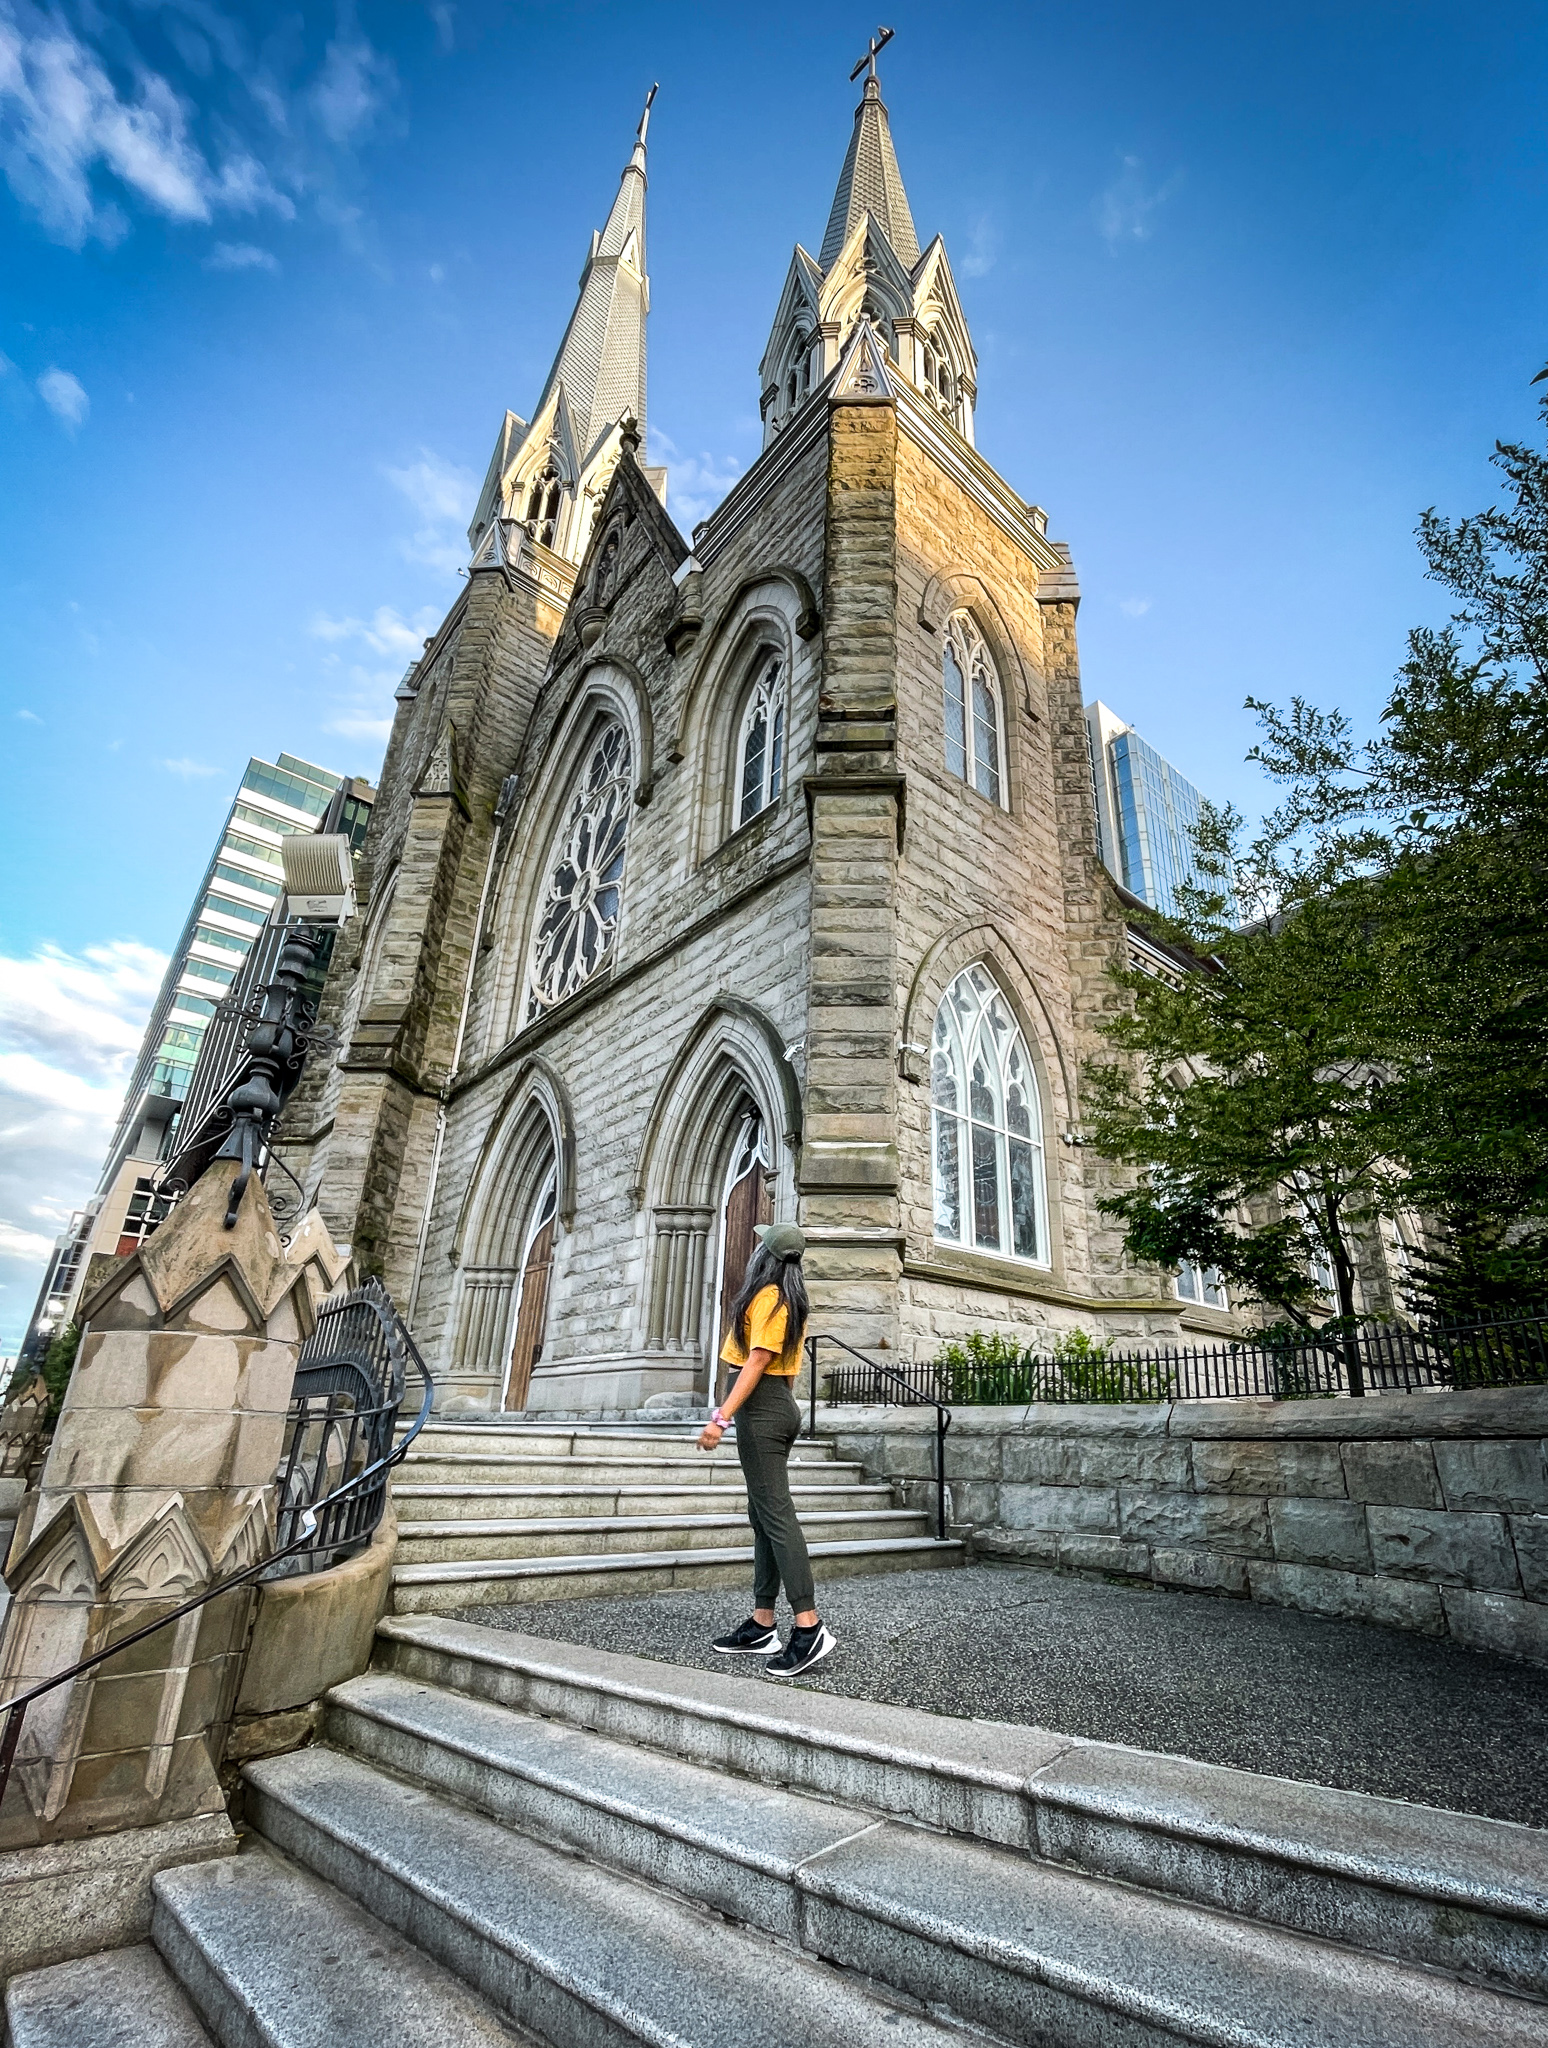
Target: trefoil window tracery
{"type": "Point", "coordinates": [579, 913]}
{"type": "Point", "coordinates": [972, 708]}
{"type": "Point", "coordinates": [990, 1193]}
{"type": "Point", "coordinates": [760, 747]}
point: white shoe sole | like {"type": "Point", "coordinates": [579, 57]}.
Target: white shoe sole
{"type": "Point", "coordinates": [823, 1647]}
{"type": "Point", "coordinates": [771, 1651]}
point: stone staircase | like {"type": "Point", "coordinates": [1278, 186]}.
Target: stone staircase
{"type": "Point", "coordinates": [494, 1514]}
{"type": "Point", "coordinates": [506, 1840]}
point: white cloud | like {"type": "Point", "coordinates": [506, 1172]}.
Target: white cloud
{"type": "Point", "coordinates": [1125, 211]}
{"type": "Point", "coordinates": [983, 249]}
{"type": "Point", "coordinates": [64, 395]}
{"type": "Point", "coordinates": [387, 631]}
{"type": "Point", "coordinates": [695, 483]}
{"type": "Point", "coordinates": [360, 725]}
{"type": "Point", "coordinates": [444, 17]}
{"type": "Point", "coordinates": [63, 121]}
{"type": "Point", "coordinates": [189, 770]}
{"type": "Point", "coordinates": [31, 717]}
{"type": "Point", "coordinates": [70, 1026]}
{"type": "Point", "coordinates": [1134, 607]}
{"type": "Point", "coordinates": [436, 488]}
{"type": "Point", "coordinates": [355, 81]}
{"type": "Point", "coordinates": [240, 256]}
{"type": "Point", "coordinates": [365, 704]}
{"type": "Point", "coordinates": [443, 494]}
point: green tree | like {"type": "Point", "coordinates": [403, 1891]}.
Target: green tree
{"type": "Point", "coordinates": [1443, 818]}
{"type": "Point", "coordinates": [1246, 1096]}
{"type": "Point", "coordinates": [1368, 1029]}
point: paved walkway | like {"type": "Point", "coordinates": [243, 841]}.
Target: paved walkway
{"type": "Point", "coordinates": [1263, 1688]}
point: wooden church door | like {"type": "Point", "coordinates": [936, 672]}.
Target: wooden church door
{"type": "Point", "coordinates": [748, 1202]}
{"type": "Point", "coordinates": [532, 1312]}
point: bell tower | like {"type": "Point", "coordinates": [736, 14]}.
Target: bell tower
{"type": "Point", "coordinates": [547, 477]}
{"type": "Point", "coordinates": [870, 266]}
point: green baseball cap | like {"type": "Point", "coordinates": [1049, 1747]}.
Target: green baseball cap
{"type": "Point", "coordinates": [784, 1240]}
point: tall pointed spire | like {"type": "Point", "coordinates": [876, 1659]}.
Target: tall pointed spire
{"type": "Point", "coordinates": [549, 476]}
{"type": "Point", "coordinates": [870, 268]}
{"type": "Point", "coordinates": [871, 182]}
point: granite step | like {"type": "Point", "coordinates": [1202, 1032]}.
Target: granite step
{"type": "Point", "coordinates": [603, 1535]}
{"type": "Point", "coordinates": [270, 1956]}
{"type": "Point", "coordinates": [977, 1934]}
{"type": "Point", "coordinates": [124, 1998]}
{"type": "Point", "coordinates": [449, 1503]}
{"type": "Point", "coordinates": [1458, 1892]}
{"type": "Point", "coordinates": [497, 1582]}
{"type": "Point", "coordinates": [481, 1468]}
{"type": "Point", "coordinates": [527, 1440]}
{"type": "Point", "coordinates": [581, 1955]}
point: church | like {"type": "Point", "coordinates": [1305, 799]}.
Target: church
{"type": "Point", "coordinates": [745, 874]}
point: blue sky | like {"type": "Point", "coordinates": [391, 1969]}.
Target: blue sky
{"type": "Point", "coordinates": [1248, 289]}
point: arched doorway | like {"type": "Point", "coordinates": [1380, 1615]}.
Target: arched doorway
{"type": "Point", "coordinates": [748, 1201]}
{"type": "Point", "coordinates": [532, 1306]}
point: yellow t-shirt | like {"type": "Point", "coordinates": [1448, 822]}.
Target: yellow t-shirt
{"type": "Point", "coordinates": [768, 1321]}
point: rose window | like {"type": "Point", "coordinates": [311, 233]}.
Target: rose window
{"type": "Point", "coordinates": [585, 882]}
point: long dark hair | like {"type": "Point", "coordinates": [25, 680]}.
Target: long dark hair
{"type": "Point", "coordinates": [767, 1269]}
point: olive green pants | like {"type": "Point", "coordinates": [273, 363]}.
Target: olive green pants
{"type": "Point", "coordinates": [767, 1424]}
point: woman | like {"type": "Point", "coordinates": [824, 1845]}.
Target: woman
{"type": "Point", "coordinates": [768, 1323]}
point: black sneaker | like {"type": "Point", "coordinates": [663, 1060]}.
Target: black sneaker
{"type": "Point", "coordinates": [806, 1647]}
{"type": "Point", "coordinates": [752, 1639]}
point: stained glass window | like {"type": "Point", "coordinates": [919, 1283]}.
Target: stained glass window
{"type": "Point", "coordinates": [579, 912]}
{"type": "Point", "coordinates": [761, 742]}
{"type": "Point", "coordinates": [988, 1125]}
{"type": "Point", "coordinates": [972, 701]}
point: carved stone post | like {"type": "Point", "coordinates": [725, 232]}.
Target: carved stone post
{"type": "Point", "coordinates": [159, 1480]}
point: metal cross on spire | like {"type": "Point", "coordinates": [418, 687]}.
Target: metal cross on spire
{"type": "Point", "coordinates": [877, 44]}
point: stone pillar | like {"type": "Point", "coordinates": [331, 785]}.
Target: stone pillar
{"type": "Point", "coordinates": [849, 1154]}
{"type": "Point", "coordinates": [160, 1479]}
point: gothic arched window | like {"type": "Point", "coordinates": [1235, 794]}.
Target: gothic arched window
{"type": "Point", "coordinates": [973, 721]}
{"type": "Point", "coordinates": [760, 743]}
{"type": "Point", "coordinates": [940, 383]}
{"type": "Point", "coordinates": [579, 911]}
{"type": "Point", "coordinates": [988, 1125]}
{"type": "Point", "coordinates": [543, 502]}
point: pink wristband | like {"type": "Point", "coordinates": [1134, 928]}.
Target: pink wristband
{"type": "Point", "coordinates": [718, 1419]}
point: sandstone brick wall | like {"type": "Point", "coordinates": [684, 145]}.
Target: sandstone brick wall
{"type": "Point", "coordinates": [1418, 1511]}
{"type": "Point", "coordinates": [706, 913]}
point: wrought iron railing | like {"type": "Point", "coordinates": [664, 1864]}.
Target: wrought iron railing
{"type": "Point", "coordinates": [889, 1383]}
{"type": "Point", "coordinates": [375, 1353]}
{"type": "Point", "coordinates": [1378, 1359]}
{"type": "Point", "coordinates": [349, 1387]}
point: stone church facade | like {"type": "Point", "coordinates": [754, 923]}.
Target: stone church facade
{"type": "Point", "coordinates": [751, 873]}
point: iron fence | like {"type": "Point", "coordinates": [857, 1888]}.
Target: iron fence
{"type": "Point", "coordinates": [1377, 1359]}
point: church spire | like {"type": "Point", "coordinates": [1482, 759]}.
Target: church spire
{"type": "Point", "coordinates": [550, 476]}
{"type": "Point", "coordinates": [871, 182]}
{"type": "Point", "coordinates": [870, 267]}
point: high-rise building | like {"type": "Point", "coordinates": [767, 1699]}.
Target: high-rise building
{"type": "Point", "coordinates": [240, 893]}
{"type": "Point", "coordinates": [1147, 813]}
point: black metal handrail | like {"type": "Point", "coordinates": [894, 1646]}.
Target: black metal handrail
{"type": "Point", "coordinates": [313, 1521]}
{"type": "Point", "coordinates": [916, 1397]}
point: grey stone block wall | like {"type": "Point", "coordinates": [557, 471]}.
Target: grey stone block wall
{"type": "Point", "coordinates": [1417, 1511]}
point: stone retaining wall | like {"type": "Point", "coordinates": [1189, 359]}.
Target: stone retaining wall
{"type": "Point", "coordinates": [1420, 1511]}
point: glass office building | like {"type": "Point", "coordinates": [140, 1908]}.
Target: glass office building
{"type": "Point", "coordinates": [241, 890]}
{"type": "Point", "coordinates": [1146, 812]}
